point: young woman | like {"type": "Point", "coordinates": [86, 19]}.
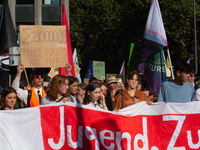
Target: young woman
{"type": "Point", "coordinates": [94, 97]}
{"type": "Point", "coordinates": [73, 85]}
{"type": "Point", "coordinates": [81, 91]}
{"type": "Point", "coordinates": [57, 91]}
{"type": "Point", "coordinates": [8, 98]}
{"type": "Point", "coordinates": [105, 91]}
{"type": "Point", "coordinates": [130, 95]}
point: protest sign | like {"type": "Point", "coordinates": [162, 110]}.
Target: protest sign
{"type": "Point", "coordinates": [65, 126]}
{"type": "Point", "coordinates": [52, 73]}
{"type": "Point", "coordinates": [77, 69]}
{"type": "Point", "coordinates": [99, 69]}
{"type": "Point", "coordinates": [45, 83]}
{"type": "Point", "coordinates": [86, 81]}
{"type": "Point", "coordinates": [43, 46]}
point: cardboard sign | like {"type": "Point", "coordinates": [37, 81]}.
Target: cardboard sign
{"type": "Point", "coordinates": [43, 46]}
{"type": "Point", "coordinates": [77, 69]}
{"type": "Point", "coordinates": [99, 69]}
{"type": "Point", "coordinates": [45, 83]}
{"type": "Point", "coordinates": [86, 81]}
{"type": "Point", "coordinates": [52, 73]}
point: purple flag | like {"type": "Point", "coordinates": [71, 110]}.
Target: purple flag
{"type": "Point", "coordinates": [189, 61]}
{"type": "Point", "coordinates": [152, 62]}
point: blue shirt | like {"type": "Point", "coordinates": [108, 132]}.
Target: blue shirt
{"type": "Point", "coordinates": [172, 92]}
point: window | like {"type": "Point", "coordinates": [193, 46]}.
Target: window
{"type": "Point", "coordinates": [25, 2]}
{"type": "Point", "coordinates": [49, 2]}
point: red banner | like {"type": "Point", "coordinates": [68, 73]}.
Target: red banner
{"type": "Point", "coordinates": [67, 127]}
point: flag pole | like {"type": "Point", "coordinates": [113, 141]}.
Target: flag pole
{"type": "Point", "coordinates": [195, 40]}
{"type": "Point", "coordinates": [26, 76]}
{"type": "Point", "coordinates": [170, 63]}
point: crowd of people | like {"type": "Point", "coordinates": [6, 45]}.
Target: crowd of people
{"type": "Point", "coordinates": [112, 95]}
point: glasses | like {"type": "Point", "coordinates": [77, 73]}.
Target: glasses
{"type": "Point", "coordinates": [136, 80]}
{"type": "Point", "coordinates": [39, 76]}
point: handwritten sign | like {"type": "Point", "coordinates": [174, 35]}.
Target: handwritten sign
{"type": "Point", "coordinates": [52, 73]}
{"type": "Point", "coordinates": [99, 69]}
{"type": "Point", "coordinates": [77, 69]}
{"type": "Point", "coordinates": [45, 84]}
{"type": "Point", "coordinates": [43, 46]}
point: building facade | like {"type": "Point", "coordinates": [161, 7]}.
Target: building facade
{"type": "Point", "coordinates": [33, 12]}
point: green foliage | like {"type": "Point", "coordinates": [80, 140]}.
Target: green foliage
{"type": "Point", "coordinates": [103, 30]}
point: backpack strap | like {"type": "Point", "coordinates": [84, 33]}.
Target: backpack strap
{"type": "Point", "coordinates": [122, 100]}
{"type": "Point", "coordinates": [29, 98]}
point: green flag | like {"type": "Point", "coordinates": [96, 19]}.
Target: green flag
{"type": "Point", "coordinates": [133, 57]}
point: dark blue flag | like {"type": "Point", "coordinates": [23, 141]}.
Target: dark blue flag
{"type": "Point", "coordinates": [89, 73]}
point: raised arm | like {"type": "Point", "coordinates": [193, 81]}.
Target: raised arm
{"type": "Point", "coordinates": [68, 69]}
{"type": "Point", "coordinates": [21, 94]}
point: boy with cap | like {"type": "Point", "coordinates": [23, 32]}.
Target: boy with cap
{"type": "Point", "coordinates": [178, 90]}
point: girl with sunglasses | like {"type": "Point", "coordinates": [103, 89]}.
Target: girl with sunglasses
{"type": "Point", "coordinates": [57, 91]}
{"type": "Point", "coordinates": [94, 96]}
{"type": "Point", "coordinates": [8, 99]}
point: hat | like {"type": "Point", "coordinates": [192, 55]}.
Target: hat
{"type": "Point", "coordinates": [38, 72]}
{"type": "Point", "coordinates": [111, 79]}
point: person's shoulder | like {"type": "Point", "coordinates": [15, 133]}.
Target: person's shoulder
{"type": "Point", "coordinates": [189, 84]}
{"type": "Point", "coordinates": [198, 90]}
{"type": "Point", "coordinates": [141, 93]}
{"type": "Point", "coordinates": [47, 98]}
{"type": "Point", "coordinates": [118, 95]}
{"type": "Point", "coordinates": [167, 83]}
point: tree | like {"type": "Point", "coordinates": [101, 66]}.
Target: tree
{"type": "Point", "coordinates": [104, 29]}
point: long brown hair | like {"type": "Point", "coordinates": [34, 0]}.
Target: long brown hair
{"type": "Point", "coordinates": [5, 92]}
{"type": "Point", "coordinates": [53, 86]}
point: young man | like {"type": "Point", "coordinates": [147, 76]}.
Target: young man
{"type": "Point", "coordinates": [33, 98]}
{"type": "Point", "coordinates": [178, 90]}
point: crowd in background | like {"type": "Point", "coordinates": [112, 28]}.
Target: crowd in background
{"type": "Point", "coordinates": [111, 95]}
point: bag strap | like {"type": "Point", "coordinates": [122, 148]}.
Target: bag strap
{"type": "Point", "coordinates": [122, 100]}
{"type": "Point", "coordinates": [72, 100]}
{"type": "Point", "coordinates": [78, 101]}
{"type": "Point", "coordinates": [29, 98]}
{"type": "Point", "coordinates": [60, 99]}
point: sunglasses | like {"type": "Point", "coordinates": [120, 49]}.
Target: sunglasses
{"type": "Point", "coordinates": [39, 76]}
